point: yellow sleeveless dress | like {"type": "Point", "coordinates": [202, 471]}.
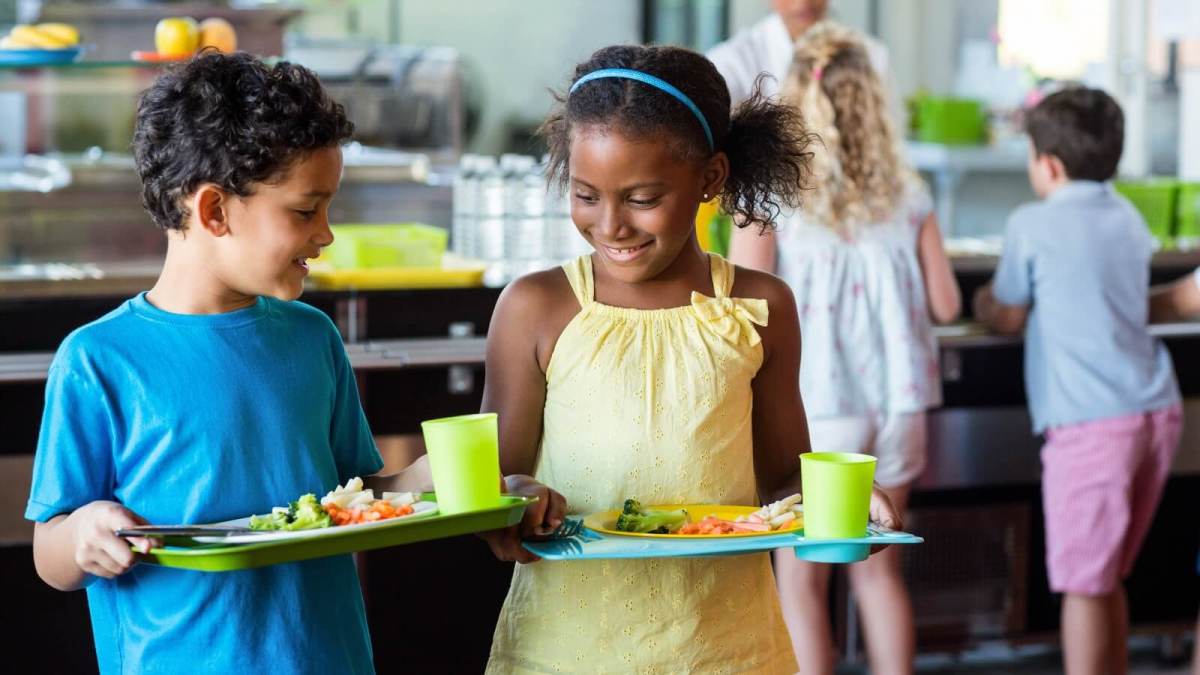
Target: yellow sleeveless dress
{"type": "Point", "coordinates": [656, 405]}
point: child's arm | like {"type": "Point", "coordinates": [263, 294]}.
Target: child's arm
{"type": "Point", "coordinates": [1176, 301]}
{"type": "Point", "coordinates": [528, 319]}
{"type": "Point", "coordinates": [1003, 303]}
{"type": "Point", "coordinates": [998, 317]}
{"type": "Point", "coordinates": [413, 478]}
{"type": "Point", "coordinates": [941, 288]}
{"type": "Point", "coordinates": [780, 425]}
{"type": "Point", "coordinates": [748, 248]}
{"type": "Point", "coordinates": [69, 547]}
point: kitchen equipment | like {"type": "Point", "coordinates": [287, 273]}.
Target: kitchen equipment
{"type": "Point", "coordinates": [397, 96]}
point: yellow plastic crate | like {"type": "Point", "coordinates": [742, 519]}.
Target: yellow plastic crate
{"type": "Point", "coordinates": [404, 255]}
{"type": "Point", "coordinates": [398, 245]}
{"type": "Point", "coordinates": [452, 274]}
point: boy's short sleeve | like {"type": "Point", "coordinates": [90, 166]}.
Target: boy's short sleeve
{"type": "Point", "coordinates": [353, 445]}
{"type": "Point", "coordinates": [1013, 281]}
{"type": "Point", "coordinates": [74, 462]}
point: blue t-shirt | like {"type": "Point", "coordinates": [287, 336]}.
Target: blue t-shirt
{"type": "Point", "coordinates": [1081, 260]}
{"type": "Point", "coordinates": [198, 419]}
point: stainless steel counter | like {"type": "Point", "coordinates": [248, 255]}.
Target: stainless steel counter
{"type": "Point", "coordinates": [390, 354]}
{"type": "Point", "coordinates": [364, 356]}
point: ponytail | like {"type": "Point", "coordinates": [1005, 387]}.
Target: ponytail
{"type": "Point", "coordinates": [769, 160]}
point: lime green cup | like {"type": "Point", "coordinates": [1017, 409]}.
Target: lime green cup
{"type": "Point", "coordinates": [837, 499]}
{"type": "Point", "coordinates": [464, 456]}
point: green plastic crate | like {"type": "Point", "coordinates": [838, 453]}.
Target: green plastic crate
{"type": "Point", "coordinates": [952, 121]}
{"type": "Point", "coordinates": [1155, 199]}
{"type": "Point", "coordinates": [399, 245]}
{"type": "Point", "coordinates": [1187, 215]}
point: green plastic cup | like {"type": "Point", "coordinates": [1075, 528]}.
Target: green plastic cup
{"type": "Point", "coordinates": [464, 456]}
{"type": "Point", "coordinates": [837, 494]}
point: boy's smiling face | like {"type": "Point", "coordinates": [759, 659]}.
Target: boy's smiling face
{"type": "Point", "coordinates": [270, 235]}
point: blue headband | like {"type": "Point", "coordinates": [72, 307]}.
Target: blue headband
{"type": "Point", "coordinates": [653, 81]}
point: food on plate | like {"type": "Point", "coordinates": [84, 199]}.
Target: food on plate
{"type": "Point", "coordinates": [636, 518]}
{"type": "Point", "coordinates": [41, 36]}
{"type": "Point", "coordinates": [303, 514]}
{"type": "Point", "coordinates": [351, 504]}
{"type": "Point", "coordinates": [345, 505]}
{"type": "Point", "coordinates": [777, 516]}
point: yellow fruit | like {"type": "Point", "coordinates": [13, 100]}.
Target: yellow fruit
{"type": "Point", "coordinates": [35, 38]}
{"type": "Point", "coordinates": [10, 42]}
{"type": "Point", "coordinates": [219, 34]}
{"type": "Point", "coordinates": [63, 32]}
{"type": "Point", "coordinates": [177, 36]}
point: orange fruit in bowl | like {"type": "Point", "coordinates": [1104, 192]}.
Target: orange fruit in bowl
{"type": "Point", "coordinates": [177, 36]}
{"type": "Point", "coordinates": [218, 34]}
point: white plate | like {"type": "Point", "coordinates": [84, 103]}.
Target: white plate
{"type": "Point", "coordinates": [420, 510]}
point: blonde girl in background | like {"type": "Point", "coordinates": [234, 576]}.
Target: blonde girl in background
{"type": "Point", "coordinates": [865, 261]}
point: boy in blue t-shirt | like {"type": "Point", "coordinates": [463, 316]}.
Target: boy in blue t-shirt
{"type": "Point", "coordinates": [213, 395]}
{"type": "Point", "coordinates": [1073, 277]}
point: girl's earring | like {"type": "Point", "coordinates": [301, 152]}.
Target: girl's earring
{"type": "Point", "coordinates": [705, 196]}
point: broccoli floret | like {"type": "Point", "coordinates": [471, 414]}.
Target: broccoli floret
{"type": "Point", "coordinates": [306, 514]}
{"type": "Point", "coordinates": [277, 519]}
{"type": "Point", "coordinates": [303, 514]}
{"type": "Point", "coordinates": [634, 518]}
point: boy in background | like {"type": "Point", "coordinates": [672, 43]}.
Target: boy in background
{"type": "Point", "coordinates": [1074, 277]}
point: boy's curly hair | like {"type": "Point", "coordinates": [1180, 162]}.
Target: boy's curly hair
{"type": "Point", "coordinates": [766, 142]}
{"type": "Point", "coordinates": [861, 177]}
{"type": "Point", "coordinates": [230, 120]}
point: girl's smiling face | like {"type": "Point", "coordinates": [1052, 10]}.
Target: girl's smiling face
{"type": "Point", "coordinates": [635, 200]}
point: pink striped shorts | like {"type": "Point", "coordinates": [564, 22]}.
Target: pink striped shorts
{"type": "Point", "coordinates": [1101, 484]}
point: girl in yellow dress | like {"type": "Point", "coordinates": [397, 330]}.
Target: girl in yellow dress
{"type": "Point", "coordinates": [649, 369]}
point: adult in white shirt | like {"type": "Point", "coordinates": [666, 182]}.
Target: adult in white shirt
{"type": "Point", "coordinates": [767, 47]}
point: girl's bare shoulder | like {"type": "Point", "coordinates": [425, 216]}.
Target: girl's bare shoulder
{"type": "Point", "coordinates": [538, 305]}
{"type": "Point", "coordinates": [749, 283]}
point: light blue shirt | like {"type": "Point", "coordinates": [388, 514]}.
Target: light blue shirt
{"type": "Point", "coordinates": [1080, 260]}
{"type": "Point", "coordinates": [197, 419]}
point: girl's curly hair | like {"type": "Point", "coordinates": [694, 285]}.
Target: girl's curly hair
{"type": "Point", "coordinates": [860, 176]}
{"type": "Point", "coordinates": [766, 142]}
{"type": "Point", "coordinates": [230, 120]}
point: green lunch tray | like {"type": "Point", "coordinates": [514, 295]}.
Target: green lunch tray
{"type": "Point", "coordinates": [228, 557]}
